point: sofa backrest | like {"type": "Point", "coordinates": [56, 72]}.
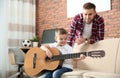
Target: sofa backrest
{"type": "Point", "coordinates": [118, 61]}
{"type": "Point", "coordinates": [48, 36]}
{"type": "Point", "coordinates": [109, 63]}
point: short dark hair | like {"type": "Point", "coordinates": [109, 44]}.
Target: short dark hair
{"type": "Point", "coordinates": [60, 31]}
{"type": "Point", "coordinates": [89, 5]}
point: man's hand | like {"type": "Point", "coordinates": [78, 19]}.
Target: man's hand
{"type": "Point", "coordinates": [80, 40]}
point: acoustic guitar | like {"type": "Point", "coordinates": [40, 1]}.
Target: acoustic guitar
{"type": "Point", "coordinates": [36, 62]}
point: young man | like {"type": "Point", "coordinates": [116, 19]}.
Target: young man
{"type": "Point", "coordinates": [87, 26]}
{"type": "Point", "coordinates": [61, 44]}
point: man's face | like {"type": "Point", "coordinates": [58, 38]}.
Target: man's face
{"type": "Point", "coordinates": [88, 15]}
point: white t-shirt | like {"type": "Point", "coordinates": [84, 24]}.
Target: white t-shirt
{"type": "Point", "coordinates": [66, 49]}
{"type": "Point", "coordinates": [87, 31]}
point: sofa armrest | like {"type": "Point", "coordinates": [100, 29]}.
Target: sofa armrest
{"type": "Point", "coordinates": [109, 63]}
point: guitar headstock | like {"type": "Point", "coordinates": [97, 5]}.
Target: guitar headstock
{"type": "Point", "coordinates": [96, 53]}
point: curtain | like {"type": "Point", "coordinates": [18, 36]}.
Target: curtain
{"type": "Point", "coordinates": [22, 21]}
{"type": "Point", "coordinates": [17, 22]}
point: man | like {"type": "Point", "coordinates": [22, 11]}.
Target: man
{"type": "Point", "coordinates": [86, 27]}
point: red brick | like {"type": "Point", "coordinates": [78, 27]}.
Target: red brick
{"type": "Point", "coordinates": [51, 14]}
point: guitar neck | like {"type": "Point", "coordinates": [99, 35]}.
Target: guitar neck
{"type": "Point", "coordinates": [68, 56]}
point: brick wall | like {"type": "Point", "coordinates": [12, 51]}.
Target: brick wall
{"type": "Point", "coordinates": [53, 14]}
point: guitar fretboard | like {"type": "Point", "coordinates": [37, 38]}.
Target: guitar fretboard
{"type": "Point", "coordinates": [67, 56]}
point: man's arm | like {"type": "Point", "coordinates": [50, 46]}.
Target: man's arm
{"type": "Point", "coordinates": [72, 31]}
{"type": "Point", "coordinates": [99, 35]}
{"type": "Point", "coordinates": [101, 29]}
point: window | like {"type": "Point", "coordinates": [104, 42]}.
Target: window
{"type": "Point", "coordinates": [75, 6]}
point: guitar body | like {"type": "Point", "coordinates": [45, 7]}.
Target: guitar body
{"type": "Point", "coordinates": [36, 61]}
{"type": "Point", "coordinates": [40, 64]}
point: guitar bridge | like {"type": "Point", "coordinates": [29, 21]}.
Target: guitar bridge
{"type": "Point", "coordinates": [47, 59]}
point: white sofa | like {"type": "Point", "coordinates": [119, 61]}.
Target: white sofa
{"type": "Point", "coordinates": [105, 67]}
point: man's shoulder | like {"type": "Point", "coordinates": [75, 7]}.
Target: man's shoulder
{"type": "Point", "coordinates": [98, 18]}
{"type": "Point", "coordinates": [79, 16]}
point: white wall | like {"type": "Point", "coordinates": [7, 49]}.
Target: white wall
{"type": "Point", "coordinates": [3, 38]}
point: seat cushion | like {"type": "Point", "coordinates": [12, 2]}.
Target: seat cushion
{"type": "Point", "coordinates": [100, 75]}
{"type": "Point", "coordinates": [76, 73]}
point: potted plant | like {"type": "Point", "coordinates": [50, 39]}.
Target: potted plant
{"type": "Point", "coordinates": [35, 41]}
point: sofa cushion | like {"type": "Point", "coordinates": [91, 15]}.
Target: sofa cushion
{"type": "Point", "coordinates": [76, 73]}
{"type": "Point", "coordinates": [100, 75]}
